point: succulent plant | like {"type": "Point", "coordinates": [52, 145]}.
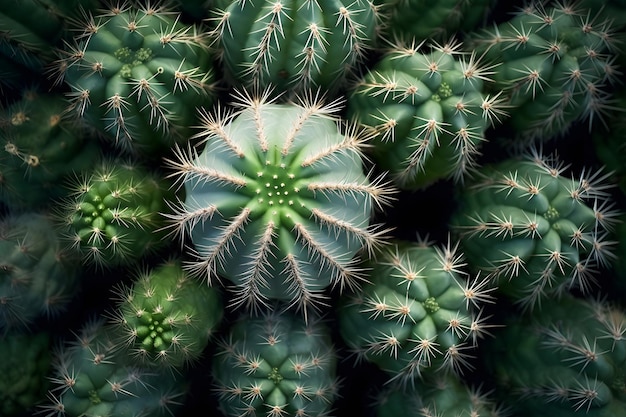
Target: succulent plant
{"type": "Point", "coordinates": [418, 312]}
{"type": "Point", "coordinates": [165, 318]}
{"type": "Point", "coordinates": [427, 111]}
{"type": "Point", "coordinates": [41, 149]}
{"type": "Point", "coordinates": [136, 74]}
{"type": "Point", "coordinates": [567, 360]}
{"type": "Point", "coordinates": [292, 47]}
{"type": "Point", "coordinates": [277, 201]}
{"type": "Point", "coordinates": [113, 215]}
{"type": "Point", "coordinates": [25, 363]}
{"type": "Point", "coordinates": [38, 277]}
{"type": "Point", "coordinates": [276, 365]}
{"type": "Point", "coordinates": [92, 377]}
{"type": "Point", "coordinates": [536, 229]}
{"type": "Point", "coordinates": [556, 63]}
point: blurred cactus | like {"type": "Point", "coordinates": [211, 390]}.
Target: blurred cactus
{"type": "Point", "coordinates": [165, 318]}
{"type": "Point", "coordinates": [276, 365]}
{"type": "Point", "coordinates": [536, 229]}
{"type": "Point", "coordinates": [427, 111]}
{"type": "Point", "coordinates": [277, 201]}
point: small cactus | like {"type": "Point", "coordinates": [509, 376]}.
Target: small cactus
{"type": "Point", "coordinates": [418, 312]}
{"type": "Point", "coordinates": [136, 74]}
{"type": "Point", "coordinates": [113, 213]}
{"type": "Point", "coordinates": [276, 365]}
{"type": "Point", "coordinates": [165, 318]}
{"type": "Point", "coordinates": [277, 201]}
{"type": "Point", "coordinates": [536, 229]}
{"type": "Point", "coordinates": [92, 377]}
{"type": "Point", "coordinates": [38, 276]}
{"type": "Point", "coordinates": [427, 111]}
{"type": "Point", "coordinates": [292, 47]}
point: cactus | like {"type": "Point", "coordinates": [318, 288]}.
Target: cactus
{"type": "Point", "coordinates": [536, 229]}
{"type": "Point", "coordinates": [431, 19]}
{"type": "Point", "coordinates": [438, 395]}
{"type": "Point", "coordinates": [166, 318]}
{"type": "Point", "coordinates": [556, 64]}
{"type": "Point", "coordinates": [92, 377]}
{"type": "Point", "coordinates": [25, 364]}
{"type": "Point", "coordinates": [41, 150]}
{"type": "Point", "coordinates": [136, 75]}
{"type": "Point", "coordinates": [276, 365]}
{"type": "Point", "coordinates": [38, 277]}
{"type": "Point", "coordinates": [112, 216]}
{"type": "Point", "coordinates": [292, 47]}
{"type": "Point", "coordinates": [418, 312]}
{"type": "Point", "coordinates": [567, 361]}
{"type": "Point", "coordinates": [427, 111]}
{"type": "Point", "coordinates": [277, 201]}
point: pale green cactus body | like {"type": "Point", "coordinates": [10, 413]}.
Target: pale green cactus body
{"type": "Point", "coordinates": [276, 364]}
{"type": "Point", "coordinates": [536, 230]}
{"type": "Point", "coordinates": [417, 313]}
{"type": "Point", "coordinates": [293, 46]}
{"type": "Point", "coordinates": [277, 202]}
{"type": "Point", "coordinates": [427, 110]}
{"type": "Point", "coordinates": [165, 318]}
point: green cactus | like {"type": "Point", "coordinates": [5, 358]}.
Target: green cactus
{"type": "Point", "coordinates": [25, 363]}
{"type": "Point", "coordinates": [431, 19]}
{"type": "Point", "coordinates": [165, 318]}
{"type": "Point", "coordinates": [41, 149]}
{"type": "Point", "coordinates": [277, 201]}
{"type": "Point", "coordinates": [38, 277]}
{"type": "Point", "coordinates": [566, 361]}
{"type": "Point", "coordinates": [536, 229]}
{"type": "Point", "coordinates": [293, 46]}
{"type": "Point", "coordinates": [113, 215]}
{"type": "Point", "coordinates": [276, 365]}
{"type": "Point", "coordinates": [136, 74]}
{"type": "Point", "coordinates": [427, 111]}
{"type": "Point", "coordinates": [92, 377]}
{"type": "Point", "coordinates": [556, 64]}
{"type": "Point", "coordinates": [437, 396]}
{"type": "Point", "coordinates": [418, 312]}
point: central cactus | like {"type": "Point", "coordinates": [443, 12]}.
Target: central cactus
{"type": "Point", "coordinates": [278, 202]}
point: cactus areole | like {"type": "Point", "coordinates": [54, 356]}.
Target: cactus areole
{"type": "Point", "coordinates": [277, 202]}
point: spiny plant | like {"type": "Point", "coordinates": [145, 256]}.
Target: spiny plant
{"type": "Point", "coordinates": [25, 363]}
{"type": "Point", "coordinates": [276, 365]}
{"type": "Point", "coordinates": [293, 46]}
{"type": "Point", "coordinates": [92, 377]}
{"type": "Point", "coordinates": [427, 111]}
{"type": "Point", "coordinates": [277, 201]}
{"type": "Point", "coordinates": [566, 361]}
{"type": "Point", "coordinates": [38, 276]}
{"type": "Point", "coordinates": [418, 312]}
{"type": "Point", "coordinates": [136, 74]}
{"type": "Point", "coordinates": [113, 214]}
{"type": "Point", "coordinates": [437, 396]}
{"type": "Point", "coordinates": [537, 230]}
{"type": "Point", "coordinates": [430, 19]}
{"type": "Point", "coordinates": [40, 149]}
{"type": "Point", "coordinates": [166, 318]}
{"type": "Point", "coordinates": [556, 63]}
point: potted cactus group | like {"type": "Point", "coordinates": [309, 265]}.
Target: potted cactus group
{"type": "Point", "coordinates": [312, 208]}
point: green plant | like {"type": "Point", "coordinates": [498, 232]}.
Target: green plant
{"type": "Point", "coordinates": [277, 201]}
{"type": "Point", "coordinates": [165, 318]}
{"type": "Point", "coordinates": [136, 73]}
{"type": "Point", "coordinates": [293, 46]}
{"type": "Point", "coordinates": [427, 111]}
{"type": "Point", "coordinates": [538, 230]}
{"type": "Point", "coordinates": [276, 365]}
{"type": "Point", "coordinates": [416, 313]}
